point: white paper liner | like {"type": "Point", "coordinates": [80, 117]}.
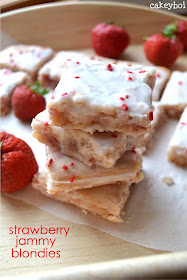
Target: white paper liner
{"type": "Point", "coordinates": [156, 213]}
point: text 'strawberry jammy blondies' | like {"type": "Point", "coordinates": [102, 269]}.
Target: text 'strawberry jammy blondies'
{"type": "Point", "coordinates": [96, 96]}
{"type": "Point", "coordinates": [98, 149]}
{"type": "Point", "coordinates": [49, 75]}
{"type": "Point", "coordinates": [8, 81]}
{"type": "Point", "coordinates": [177, 150]}
{"type": "Point", "coordinates": [27, 58]}
{"type": "Point", "coordinates": [107, 201]}
{"type": "Point", "coordinates": [174, 98]}
{"type": "Point", "coordinates": [67, 174]}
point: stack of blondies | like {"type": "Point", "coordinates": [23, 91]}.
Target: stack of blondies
{"type": "Point", "coordinates": [90, 128]}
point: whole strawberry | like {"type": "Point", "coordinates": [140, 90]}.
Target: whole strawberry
{"type": "Point", "coordinates": [109, 40]}
{"type": "Point", "coordinates": [163, 48]}
{"type": "Point", "coordinates": [28, 101]}
{"type": "Point", "coordinates": [181, 32]}
{"type": "Point", "coordinates": [18, 164]}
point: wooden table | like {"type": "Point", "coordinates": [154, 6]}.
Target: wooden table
{"type": "Point", "coordinates": [83, 245]}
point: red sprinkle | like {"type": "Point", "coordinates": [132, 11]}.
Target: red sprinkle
{"type": "Point", "coordinates": [109, 67]}
{"type": "Point", "coordinates": [180, 83]}
{"type": "Point", "coordinates": [72, 179]}
{"type": "Point", "coordinates": [78, 62]}
{"type": "Point", "coordinates": [77, 77]}
{"type": "Point", "coordinates": [142, 71]}
{"type": "Point", "coordinates": [157, 75]}
{"type": "Point", "coordinates": [127, 96]}
{"type": "Point", "coordinates": [130, 72]}
{"type": "Point", "coordinates": [46, 123]}
{"type": "Point", "coordinates": [125, 107]}
{"type": "Point", "coordinates": [71, 164]}
{"type": "Point", "coordinates": [64, 93]}
{"type": "Point", "coordinates": [151, 115]}
{"type": "Point", "coordinates": [130, 78]}
{"type": "Point", "coordinates": [50, 162]}
{"type": "Point", "coordinates": [133, 150]}
{"type": "Point", "coordinates": [64, 167]}
{"type": "Point", "coordinates": [121, 98]}
{"type": "Point", "coordinates": [114, 136]}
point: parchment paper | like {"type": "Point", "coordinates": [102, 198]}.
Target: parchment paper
{"type": "Point", "coordinates": [156, 214]}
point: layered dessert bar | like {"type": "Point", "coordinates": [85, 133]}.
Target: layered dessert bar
{"type": "Point", "coordinates": [8, 81]}
{"type": "Point", "coordinates": [162, 77]}
{"type": "Point", "coordinates": [177, 150]}
{"type": "Point", "coordinates": [68, 174]}
{"type": "Point", "coordinates": [49, 75]}
{"type": "Point", "coordinates": [98, 149]}
{"type": "Point", "coordinates": [143, 141]}
{"type": "Point", "coordinates": [96, 96]}
{"type": "Point", "coordinates": [107, 201]}
{"type": "Point", "coordinates": [174, 97]}
{"type": "Point", "coordinates": [26, 58]}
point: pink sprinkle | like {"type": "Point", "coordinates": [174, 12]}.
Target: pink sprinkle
{"type": "Point", "coordinates": [72, 179]}
{"type": "Point", "coordinates": [69, 59]}
{"type": "Point", "coordinates": [125, 107]}
{"type": "Point", "coordinates": [71, 164]}
{"type": "Point", "coordinates": [127, 96]}
{"type": "Point", "coordinates": [78, 62]}
{"type": "Point", "coordinates": [130, 78]}
{"type": "Point", "coordinates": [114, 136]}
{"type": "Point", "coordinates": [64, 93]}
{"type": "Point", "coordinates": [183, 123]}
{"type": "Point", "coordinates": [157, 75]}
{"type": "Point", "coordinates": [50, 162]}
{"type": "Point", "coordinates": [65, 167]}
{"type": "Point", "coordinates": [77, 77]}
{"type": "Point", "coordinates": [7, 72]}
{"type": "Point", "coordinates": [130, 72]}
{"type": "Point", "coordinates": [11, 54]}
{"type": "Point", "coordinates": [38, 55]}
{"type": "Point", "coordinates": [20, 51]}
{"type": "Point", "coordinates": [121, 98]}
{"type": "Point", "coordinates": [180, 83]}
{"type": "Point", "coordinates": [11, 60]}
{"type": "Point", "coordinates": [92, 57]}
{"type": "Point", "coordinates": [129, 65]}
{"type": "Point", "coordinates": [52, 97]}
{"type": "Point", "coordinates": [142, 71]}
{"type": "Point", "coordinates": [109, 67]}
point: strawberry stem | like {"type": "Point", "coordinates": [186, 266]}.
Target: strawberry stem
{"type": "Point", "coordinates": [36, 88]}
{"type": "Point", "coordinates": [170, 30]}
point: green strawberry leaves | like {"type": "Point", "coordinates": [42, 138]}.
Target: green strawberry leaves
{"type": "Point", "coordinates": [36, 88]}
{"type": "Point", "coordinates": [170, 30]}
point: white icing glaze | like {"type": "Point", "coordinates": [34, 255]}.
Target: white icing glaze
{"type": "Point", "coordinates": [9, 80]}
{"type": "Point", "coordinates": [161, 78]}
{"type": "Point", "coordinates": [179, 139]}
{"type": "Point", "coordinates": [25, 57]}
{"type": "Point", "coordinates": [99, 90]}
{"type": "Point", "coordinates": [175, 92]}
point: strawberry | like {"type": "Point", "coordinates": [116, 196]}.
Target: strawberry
{"type": "Point", "coordinates": [163, 48]}
{"type": "Point", "coordinates": [109, 40]}
{"type": "Point", "coordinates": [181, 32]}
{"type": "Point", "coordinates": [28, 101]}
{"type": "Point", "coordinates": [18, 164]}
